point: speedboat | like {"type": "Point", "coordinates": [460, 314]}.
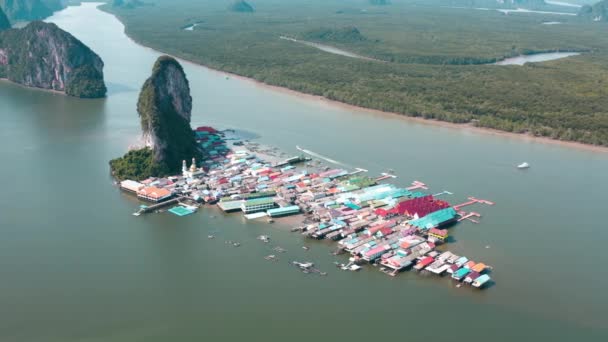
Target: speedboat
{"type": "Point", "coordinates": [523, 165]}
{"type": "Point", "coordinates": [303, 265]}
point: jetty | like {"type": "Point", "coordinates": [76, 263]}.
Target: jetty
{"type": "Point", "coordinates": [152, 208]}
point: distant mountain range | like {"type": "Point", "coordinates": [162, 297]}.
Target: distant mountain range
{"type": "Point", "coordinates": [595, 12]}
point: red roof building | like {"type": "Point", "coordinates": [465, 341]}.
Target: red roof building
{"type": "Point", "coordinates": [206, 129]}
{"type": "Point", "coordinates": [420, 206]}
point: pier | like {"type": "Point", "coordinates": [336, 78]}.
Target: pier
{"type": "Point", "coordinates": [154, 207]}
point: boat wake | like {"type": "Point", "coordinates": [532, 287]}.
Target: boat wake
{"type": "Point", "coordinates": [320, 156]}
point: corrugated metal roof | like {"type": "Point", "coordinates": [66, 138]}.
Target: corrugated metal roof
{"type": "Point", "coordinates": [259, 201]}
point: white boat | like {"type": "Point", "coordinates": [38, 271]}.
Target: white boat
{"type": "Point", "coordinates": [523, 165]}
{"type": "Point", "coordinates": [303, 265]}
{"type": "Point", "coordinates": [354, 268]}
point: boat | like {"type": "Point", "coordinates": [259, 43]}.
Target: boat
{"type": "Point", "coordinates": [460, 274]}
{"type": "Point", "coordinates": [303, 265]}
{"type": "Point", "coordinates": [264, 238]}
{"type": "Point", "coordinates": [354, 268]}
{"type": "Point", "coordinates": [523, 165]}
{"type": "Point", "coordinates": [481, 281]}
{"type": "Point", "coordinates": [471, 277]}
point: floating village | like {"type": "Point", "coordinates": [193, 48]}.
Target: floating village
{"type": "Point", "coordinates": [376, 222]}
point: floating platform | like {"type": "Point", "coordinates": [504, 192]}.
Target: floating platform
{"type": "Point", "coordinates": [181, 211]}
{"type": "Point", "coordinates": [255, 215]}
{"type": "Point", "coordinates": [230, 206]}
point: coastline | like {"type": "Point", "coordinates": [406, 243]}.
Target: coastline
{"type": "Point", "coordinates": [469, 127]}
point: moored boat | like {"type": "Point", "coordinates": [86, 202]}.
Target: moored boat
{"type": "Point", "coordinates": [481, 281]}
{"type": "Point", "coordinates": [460, 274]}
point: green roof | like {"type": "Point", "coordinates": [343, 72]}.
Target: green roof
{"type": "Point", "coordinates": [284, 210]}
{"type": "Point", "coordinates": [434, 219]}
{"type": "Point", "coordinates": [259, 201]}
{"type": "Point", "coordinates": [258, 195]}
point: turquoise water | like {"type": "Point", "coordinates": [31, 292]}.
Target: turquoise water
{"type": "Point", "coordinates": [77, 266]}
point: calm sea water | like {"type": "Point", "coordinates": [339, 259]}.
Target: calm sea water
{"type": "Point", "coordinates": [76, 266]}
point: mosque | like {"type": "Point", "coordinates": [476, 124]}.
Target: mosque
{"type": "Point", "coordinates": [193, 171]}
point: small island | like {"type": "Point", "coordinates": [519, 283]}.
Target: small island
{"type": "Point", "coordinates": [53, 59]}
{"type": "Point", "coordinates": [241, 6]}
{"type": "Point", "coordinates": [164, 108]}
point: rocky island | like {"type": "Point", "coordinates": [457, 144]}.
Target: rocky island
{"type": "Point", "coordinates": [30, 9]}
{"type": "Point", "coordinates": [164, 108]}
{"type": "Point", "coordinates": [41, 55]}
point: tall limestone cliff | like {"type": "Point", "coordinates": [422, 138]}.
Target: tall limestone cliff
{"type": "Point", "coordinates": [164, 108]}
{"type": "Point", "coordinates": [31, 9]}
{"type": "Point", "coordinates": [41, 55]}
{"type": "Point", "coordinates": [4, 23]}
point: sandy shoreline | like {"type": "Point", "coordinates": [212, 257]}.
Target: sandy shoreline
{"type": "Point", "coordinates": [468, 127]}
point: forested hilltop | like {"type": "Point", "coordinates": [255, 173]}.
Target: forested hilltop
{"type": "Point", "coordinates": [431, 56]}
{"type": "Point", "coordinates": [31, 9]}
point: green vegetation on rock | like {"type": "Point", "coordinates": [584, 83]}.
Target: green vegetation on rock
{"type": "Point", "coordinates": [51, 59]}
{"type": "Point", "coordinates": [136, 165]}
{"type": "Point", "coordinates": [164, 108]}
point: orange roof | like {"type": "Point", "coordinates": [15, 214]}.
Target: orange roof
{"type": "Point", "coordinates": [479, 267]}
{"type": "Point", "coordinates": [470, 264]}
{"type": "Point", "coordinates": [154, 192]}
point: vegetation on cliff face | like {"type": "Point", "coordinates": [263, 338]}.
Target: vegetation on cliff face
{"type": "Point", "coordinates": [42, 55]}
{"type": "Point", "coordinates": [595, 12]}
{"type": "Point", "coordinates": [431, 52]}
{"type": "Point", "coordinates": [4, 23]}
{"type": "Point", "coordinates": [241, 6]}
{"type": "Point", "coordinates": [136, 165]}
{"type": "Point", "coordinates": [164, 108]}
{"type": "Point", "coordinates": [30, 9]}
